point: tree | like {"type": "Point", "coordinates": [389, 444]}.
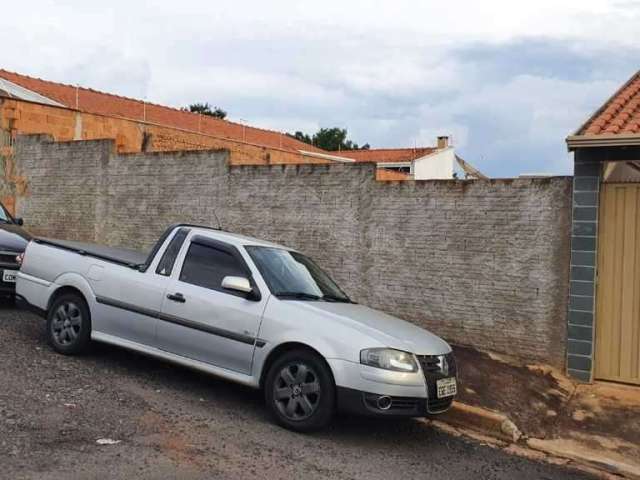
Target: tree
{"type": "Point", "coordinates": [205, 109]}
{"type": "Point", "coordinates": [303, 137]}
{"type": "Point", "coordinates": [331, 139]}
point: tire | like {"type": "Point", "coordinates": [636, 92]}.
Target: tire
{"type": "Point", "coordinates": [69, 324]}
{"type": "Point", "coordinates": [300, 391]}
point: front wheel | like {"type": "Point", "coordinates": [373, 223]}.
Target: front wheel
{"type": "Point", "coordinates": [69, 324]}
{"type": "Point", "coordinates": [300, 391]}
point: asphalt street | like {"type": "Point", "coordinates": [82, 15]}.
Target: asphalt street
{"type": "Point", "coordinates": [164, 421]}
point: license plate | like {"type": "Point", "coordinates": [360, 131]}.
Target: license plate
{"type": "Point", "coordinates": [446, 387]}
{"type": "Point", "coordinates": [9, 276]}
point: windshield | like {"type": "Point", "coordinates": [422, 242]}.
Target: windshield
{"type": "Point", "coordinates": [292, 275]}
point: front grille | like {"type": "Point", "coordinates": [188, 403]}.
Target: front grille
{"type": "Point", "coordinates": [436, 367]}
{"type": "Point", "coordinates": [8, 259]}
{"type": "Point", "coordinates": [430, 363]}
{"type": "Point", "coordinates": [400, 403]}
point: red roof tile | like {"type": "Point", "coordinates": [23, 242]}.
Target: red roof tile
{"type": "Point", "coordinates": [92, 101]}
{"type": "Point", "coordinates": [386, 154]}
{"type": "Point", "coordinates": [620, 115]}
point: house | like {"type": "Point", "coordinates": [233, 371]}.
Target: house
{"type": "Point", "coordinates": [425, 163]}
{"type": "Point", "coordinates": [604, 311]}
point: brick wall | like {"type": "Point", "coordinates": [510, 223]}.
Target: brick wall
{"type": "Point", "coordinates": [483, 263]}
{"type": "Point", "coordinates": [130, 135]}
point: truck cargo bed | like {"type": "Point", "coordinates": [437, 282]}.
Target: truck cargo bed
{"type": "Point", "coordinates": [121, 256]}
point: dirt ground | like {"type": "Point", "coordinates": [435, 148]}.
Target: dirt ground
{"type": "Point", "coordinates": [170, 422]}
{"type": "Point", "coordinates": [546, 405]}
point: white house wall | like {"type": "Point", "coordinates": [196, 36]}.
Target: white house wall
{"type": "Point", "coordinates": [436, 166]}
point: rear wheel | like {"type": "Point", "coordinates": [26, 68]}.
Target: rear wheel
{"type": "Point", "coordinates": [69, 324]}
{"type": "Point", "coordinates": [300, 391]}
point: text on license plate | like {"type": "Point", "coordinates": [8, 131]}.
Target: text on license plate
{"type": "Point", "coordinates": [9, 276]}
{"type": "Point", "coordinates": [446, 387]}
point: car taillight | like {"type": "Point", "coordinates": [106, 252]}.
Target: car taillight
{"type": "Point", "coordinates": [20, 259]}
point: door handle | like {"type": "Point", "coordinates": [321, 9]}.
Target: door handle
{"type": "Point", "coordinates": [177, 297]}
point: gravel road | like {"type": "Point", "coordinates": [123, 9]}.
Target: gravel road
{"type": "Point", "coordinates": [171, 422]}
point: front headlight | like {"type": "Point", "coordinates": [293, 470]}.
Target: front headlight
{"type": "Point", "coordinates": [389, 359]}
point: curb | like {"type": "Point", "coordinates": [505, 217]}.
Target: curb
{"type": "Point", "coordinates": [478, 422]}
{"type": "Point", "coordinates": [484, 421]}
{"type": "Point", "coordinates": [593, 458]}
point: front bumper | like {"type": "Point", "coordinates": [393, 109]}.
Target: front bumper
{"type": "Point", "coordinates": [7, 288]}
{"type": "Point", "coordinates": [372, 404]}
{"type": "Point", "coordinates": [361, 388]}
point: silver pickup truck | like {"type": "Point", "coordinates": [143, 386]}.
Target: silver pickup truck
{"type": "Point", "coordinates": [247, 310]}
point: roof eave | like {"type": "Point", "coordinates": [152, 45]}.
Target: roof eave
{"type": "Point", "coordinates": [587, 141]}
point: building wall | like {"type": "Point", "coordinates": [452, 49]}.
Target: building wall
{"type": "Point", "coordinates": [63, 124]}
{"type": "Point", "coordinates": [438, 165]}
{"type": "Point", "coordinates": [483, 263]}
{"type": "Point", "coordinates": [389, 175]}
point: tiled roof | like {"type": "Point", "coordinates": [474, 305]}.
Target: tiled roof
{"type": "Point", "coordinates": [620, 115]}
{"type": "Point", "coordinates": [387, 154]}
{"type": "Point", "coordinates": [92, 101]}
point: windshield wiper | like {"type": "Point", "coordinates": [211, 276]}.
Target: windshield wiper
{"type": "Point", "coordinates": [298, 296]}
{"type": "Point", "coordinates": [334, 298]}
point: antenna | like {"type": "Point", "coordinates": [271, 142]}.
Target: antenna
{"type": "Point", "coordinates": [217, 219]}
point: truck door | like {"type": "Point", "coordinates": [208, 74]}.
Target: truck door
{"type": "Point", "coordinates": [203, 321]}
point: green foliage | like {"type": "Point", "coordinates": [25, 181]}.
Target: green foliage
{"type": "Point", "coordinates": [206, 109]}
{"type": "Point", "coordinates": [331, 139]}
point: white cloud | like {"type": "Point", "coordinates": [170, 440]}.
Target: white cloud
{"type": "Point", "coordinates": [509, 80]}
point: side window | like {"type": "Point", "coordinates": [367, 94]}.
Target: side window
{"type": "Point", "coordinates": [165, 266]}
{"type": "Point", "coordinates": [206, 266]}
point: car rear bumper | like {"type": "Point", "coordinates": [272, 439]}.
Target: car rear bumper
{"type": "Point", "coordinates": [373, 404]}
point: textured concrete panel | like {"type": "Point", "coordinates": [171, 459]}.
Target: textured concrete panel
{"type": "Point", "coordinates": [483, 263]}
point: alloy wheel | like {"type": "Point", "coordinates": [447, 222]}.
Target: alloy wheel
{"type": "Point", "coordinates": [66, 323]}
{"type": "Point", "coordinates": [296, 391]}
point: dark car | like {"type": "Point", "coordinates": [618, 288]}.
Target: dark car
{"type": "Point", "coordinates": [13, 242]}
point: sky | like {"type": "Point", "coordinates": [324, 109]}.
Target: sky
{"type": "Point", "coordinates": [507, 80]}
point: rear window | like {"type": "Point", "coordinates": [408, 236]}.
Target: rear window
{"type": "Point", "coordinates": [168, 260]}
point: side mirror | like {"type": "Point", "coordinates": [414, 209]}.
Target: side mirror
{"type": "Point", "coordinates": [19, 221]}
{"type": "Point", "coordinates": [238, 284]}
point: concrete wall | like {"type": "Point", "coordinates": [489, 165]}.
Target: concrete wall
{"type": "Point", "coordinates": [64, 124]}
{"type": "Point", "coordinates": [483, 263]}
